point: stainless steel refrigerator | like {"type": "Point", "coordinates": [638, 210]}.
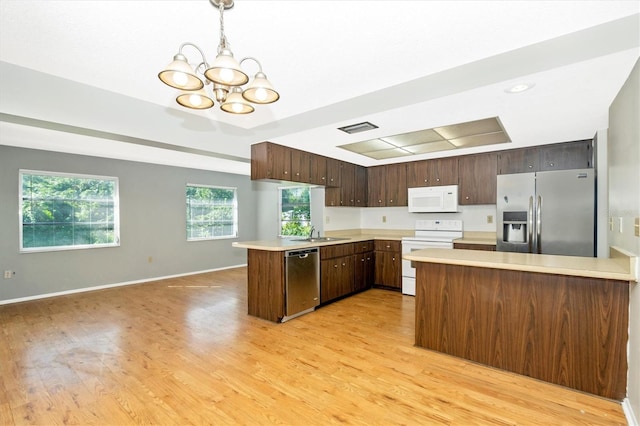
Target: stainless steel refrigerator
{"type": "Point", "coordinates": [547, 212]}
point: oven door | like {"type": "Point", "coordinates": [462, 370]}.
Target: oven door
{"type": "Point", "coordinates": [408, 271]}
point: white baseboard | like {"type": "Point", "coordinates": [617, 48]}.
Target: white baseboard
{"type": "Point", "coordinates": [101, 287]}
{"type": "Point", "coordinates": [632, 420]}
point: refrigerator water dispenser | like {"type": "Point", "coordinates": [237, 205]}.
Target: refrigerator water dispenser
{"type": "Point", "coordinates": [514, 227]}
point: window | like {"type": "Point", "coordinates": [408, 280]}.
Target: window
{"type": "Point", "coordinates": [61, 211]}
{"type": "Point", "coordinates": [212, 212]}
{"type": "Point", "coordinates": [295, 210]}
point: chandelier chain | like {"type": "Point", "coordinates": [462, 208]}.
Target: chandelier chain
{"type": "Point", "coordinates": [223, 38]}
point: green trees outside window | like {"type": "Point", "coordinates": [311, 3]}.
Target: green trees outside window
{"type": "Point", "coordinates": [295, 210]}
{"type": "Point", "coordinates": [212, 212]}
{"type": "Point", "coordinates": [62, 211]}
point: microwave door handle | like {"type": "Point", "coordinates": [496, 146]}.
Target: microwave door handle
{"type": "Point", "coordinates": [530, 224]}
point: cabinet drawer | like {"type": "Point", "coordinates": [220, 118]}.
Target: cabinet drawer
{"type": "Point", "coordinates": [387, 245]}
{"type": "Point", "coordinates": [337, 250]}
{"type": "Point", "coordinates": [363, 246]}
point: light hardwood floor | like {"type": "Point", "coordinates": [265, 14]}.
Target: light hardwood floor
{"type": "Point", "coordinates": [184, 351]}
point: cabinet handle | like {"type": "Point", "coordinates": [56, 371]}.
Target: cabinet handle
{"type": "Point", "coordinates": [297, 174]}
{"type": "Point", "coordinates": [551, 164]}
{"type": "Point", "coordinates": [531, 166]}
{"type": "Point", "coordinates": [438, 180]}
{"type": "Point", "coordinates": [393, 258]}
{"type": "Point", "coordinates": [324, 178]}
{"type": "Point", "coordinates": [466, 198]}
{"type": "Point", "coordinates": [335, 266]}
{"type": "Point", "coordinates": [426, 180]}
{"type": "Point", "coordinates": [388, 246]}
{"type": "Point", "coordinates": [362, 260]}
{"type": "Point", "coordinates": [286, 172]}
{"type": "Point", "coordinates": [344, 264]}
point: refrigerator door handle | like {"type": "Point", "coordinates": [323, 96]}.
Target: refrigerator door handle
{"type": "Point", "coordinates": [539, 224]}
{"type": "Point", "coordinates": [530, 224]}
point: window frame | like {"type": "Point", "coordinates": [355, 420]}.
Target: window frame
{"type": "Point", "coordinates": [280, 189]}
{"type": "Point", "coordinates": [236, 224]}
{"type": "Point", "coordinates": [116, 211]}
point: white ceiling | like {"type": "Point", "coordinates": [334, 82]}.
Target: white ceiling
{"type": "Point", "coordinates": [73, 68]}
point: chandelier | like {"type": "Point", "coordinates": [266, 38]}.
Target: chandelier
{"type": "Point", "coordinates": [225, 76]}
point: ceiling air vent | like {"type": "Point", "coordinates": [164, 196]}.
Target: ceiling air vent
{"type": "Point", "coordinates": [357, 128]}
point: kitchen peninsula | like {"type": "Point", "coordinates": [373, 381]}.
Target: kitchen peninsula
{"type": "Point", "coordinates": [347, 267]}
{"type": "Point", "coordinates": [560, 319]}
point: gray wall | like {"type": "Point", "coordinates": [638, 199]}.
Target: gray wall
{"type": "Point", "coordinates": [624, 203]}
{"type": "Point", "coordinates": [152, 223]}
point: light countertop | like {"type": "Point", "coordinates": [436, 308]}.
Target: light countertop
{"type": "Point", "coordinates": [283, 244]}
{"type": "Point", "coordinates": [620, 266]}
{"type": "Point", "coordinates": [480, 238]}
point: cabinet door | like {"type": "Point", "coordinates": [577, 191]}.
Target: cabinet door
{"type": "Point", "coordinates": [396, 184]}
{"type": "Point", "coordinates": [446, 171]}
{"type": "Point", "coordinates": [376, 179]}
{"type": "Point", "coordinates": [318, 170]}
{"type": "Point", "coordinates": [524, 160]}
{"type": "Point", "coordinates": [361, 186]}
{"type": "Point", "coordinates": [388, 269]}
{"type": "Point", "coordinates": [364, 266]}
{"type": "Point", "coordinates": [478, 178]}
{"type": "Point", "coordinates": [348, 185]}
{"type": "Point", "coordinates": [300, 166]}
{"type": "Point", "coordinates": [333, 172]}
{"type": "Point", "coordinates": [568, 155]}
{"type": "Point", "coordinates": [417, 173]}
{"type": "Point", "coordinates": [332, 197]}
{"type": "Point", "coordinates": [270, 161]}
{"type": "Point", "coordinates": [336, 278]}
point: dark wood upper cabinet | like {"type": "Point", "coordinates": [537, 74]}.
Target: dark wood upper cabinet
{"type": "Point", "coordinates": [568, 155]}
{"type": "Point", "coordinates": [361, 186]}
{"type": "Point", "coordinates": [558, 156]}
{"type": "Point", "coordinates": [442, 171]}
{"type": "Point", "coordinates": [334, 169]}
{"type": "Point", "coordinates": [478, 178]}
{"type": "Point", "coordinates": [270, 161]}
{"type": "Point", "coordinates": [396, 184]}
{"type": "Point", "coordinates": [523, 160]}
{"type": "Point", "coordinates": [300, 166]}
{"type": "Point", "coordinates": [348, 185]}
{"type": "Point", "coordinates": [318, 170]}
{"type": "Point", "coordinates": [376, 184]}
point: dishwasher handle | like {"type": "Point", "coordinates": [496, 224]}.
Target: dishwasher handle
{"type": "Point", "coordinates": [302, 253]}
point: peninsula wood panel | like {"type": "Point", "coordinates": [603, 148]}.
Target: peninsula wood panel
{"type": "Point", "coordinates": [482, 247]}
{"type": "Point", "coordinates": [570, 331]}
{"type": "Point", "coordinates": [265, 287]}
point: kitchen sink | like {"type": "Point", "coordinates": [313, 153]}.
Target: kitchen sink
{"type": "Point", "coordinates": [319, 239]}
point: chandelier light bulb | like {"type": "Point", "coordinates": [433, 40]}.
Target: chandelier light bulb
{"type": "Point", "coordinates": [226, 75]}
{"type": "Point", "coordinates": [196, 100]}
{"type": "Point", "coordinates": [236, 107]}
{"type": "Point", "coordinates": [180, 78]}
{"type": "Point", "coordinates": [261, 94]}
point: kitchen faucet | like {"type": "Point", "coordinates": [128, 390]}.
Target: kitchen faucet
{"type": "Point", "coordinates": [313, 228]}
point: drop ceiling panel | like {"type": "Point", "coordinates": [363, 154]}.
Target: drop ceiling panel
{"type": "Point", "coordinates": [488, 125]}
{"type": "Point", "coordinates": [413, 138]}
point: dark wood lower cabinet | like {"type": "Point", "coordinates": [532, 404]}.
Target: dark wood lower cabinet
{"type": "Point", "coordinates": [571, 331]}
{"type": "Point", "coordinates": [265, 284]}
{"type": "Point", "coordinates": [336, 278]}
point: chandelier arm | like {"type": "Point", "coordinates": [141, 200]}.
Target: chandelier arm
{"type": "Point", "coordinates": [188, 43]}
{"type": "Point", "coordinates": [254, 60]}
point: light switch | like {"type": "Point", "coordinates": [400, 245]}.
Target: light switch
{"type": "Point", "coordinates": [637, 227]}
{"type": "Point", "coordinates": [620, 225]}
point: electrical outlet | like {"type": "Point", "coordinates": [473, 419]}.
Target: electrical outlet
{"type": "Point", "coordinates": [490, 219]}
{"type": "Point", "coordinates": [620, 225]}
{"type": "Point", "coordinates": [384, 219]}
{"type": "Point", "coordinates": [8, 275]}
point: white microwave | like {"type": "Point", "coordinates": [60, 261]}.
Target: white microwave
{"type": "Point", "coordinates": [433, 199]}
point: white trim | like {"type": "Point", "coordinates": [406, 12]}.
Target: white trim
{"type": "Point", "coordinates": [628, 413]}
{"type": "Point", "coordinates": [102, 287]}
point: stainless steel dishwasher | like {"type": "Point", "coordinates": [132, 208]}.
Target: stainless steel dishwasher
{"type": "Point", "coordinates": [302, 281]}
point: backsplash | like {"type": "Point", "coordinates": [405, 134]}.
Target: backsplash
{"type": "Point", "coordinates": [474, 218]}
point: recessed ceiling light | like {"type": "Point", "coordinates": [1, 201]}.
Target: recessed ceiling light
{"type": "Point", "coordinates": [519, 88]}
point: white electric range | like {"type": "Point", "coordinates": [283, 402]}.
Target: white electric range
{"type": "Point", "coordinates": [428, 234]}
